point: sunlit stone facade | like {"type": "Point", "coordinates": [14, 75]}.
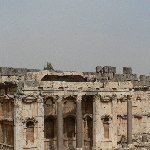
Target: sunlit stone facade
{"type": "Point", "coordinates": [54, 110]}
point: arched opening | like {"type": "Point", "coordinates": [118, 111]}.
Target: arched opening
{"type": "Point", "coordinates": [89, 127]}
{"type": "Point", "coordinates": [88, 132]}
{"type": "Point", "coordinates": [48, 106]}
{"type": "Point", "coordinates": [69, 127]}
{"type": "Point", "coordinates": [49, 127]}
{"type": "Point", "coordinates": [87, 104]}
{"type": "Point", "coordinates": [30, 132]}
{"type": "Point", "coordinates": [106, 125]}
{"type": "Point", "coordinates": [7, 133]}
{"type": "Point", "coordinates": [106, 130]}
{"type": "Point", "coordinates": [69, 132]}
{"type": "Point", "coordinates": [10, 133]}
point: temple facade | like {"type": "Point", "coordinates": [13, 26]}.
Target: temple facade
{"type": "Point", "coordinates": [56, 110]}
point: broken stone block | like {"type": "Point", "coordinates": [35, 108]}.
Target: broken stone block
{"type": "Point", "coordinates": [127, 70]}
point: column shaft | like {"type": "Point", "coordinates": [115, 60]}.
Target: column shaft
{"type": "Point", "coordinates": [59, 124]}
{"type": "Point", "coordinates": [79, 123]}
{"type": "Point", "coordinates": [94, 123]}
{"type": "Point", "coordinates": [129, 120]}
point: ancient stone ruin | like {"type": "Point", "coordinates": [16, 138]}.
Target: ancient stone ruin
{"type": "Point", "coordinates": [54, 110]}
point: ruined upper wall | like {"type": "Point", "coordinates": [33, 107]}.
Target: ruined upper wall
{"type": "Point", "coordinates": [108, 73]}
{"type": "Point", "coordinates": [9, 71]}
{"type": "Point", "coordinates": [102, 74]}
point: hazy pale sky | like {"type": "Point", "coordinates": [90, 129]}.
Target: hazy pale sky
{"type": "Point", "coordinates": [75, 34]}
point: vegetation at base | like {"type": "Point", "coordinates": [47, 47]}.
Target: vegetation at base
{"type": "Point", "coordinates": [49, 66]}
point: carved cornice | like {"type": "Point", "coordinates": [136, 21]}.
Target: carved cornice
{"type": "Point", "coordinates": [29, 99]}
{"type": "Point", "coordinates": [69, 96]}
{"type": "Point", "coordinates": [106, 98]}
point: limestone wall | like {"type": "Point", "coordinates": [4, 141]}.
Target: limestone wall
{"type": "Point", "coordinates": [29, 122]}
{"type": "Point", "coordinates": [28, 103]}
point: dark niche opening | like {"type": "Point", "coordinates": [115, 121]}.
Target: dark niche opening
{"type": "Point", "coordinates": [49, 124]}
{"type": "Point", "coordinates": [30, 131]}
{"type": "Point", "coordinates": [66, 78]}
{"type": "Point", "coordinates": [69, 127]}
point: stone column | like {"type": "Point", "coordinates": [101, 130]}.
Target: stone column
{"type": "Point", "coordinates": [60, 138]}
{"type": "Point", "coordinates": [40, 125]}
{"type": "Point", "coordinates": [97, 123]}
{"type": "Point", "coordinates": [79, 122]}
{"type": "Point", "coordinates": [94, 124]}
{"type": "Point", "coordinates": [129, 120]}
{"type": "Point", "coordinates": [18, 125]}
{"type": "Point", "coordinates": [114, 122]}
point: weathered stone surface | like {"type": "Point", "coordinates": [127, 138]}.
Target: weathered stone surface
{"type": "Point", "coordinates": [94, 112]}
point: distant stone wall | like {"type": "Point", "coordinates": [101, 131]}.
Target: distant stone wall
{"type": "Point", "coordinates": [108, 73]}
{"type": "Point", "coordinates": [9, 71]}
{"type": "Point", "coordinates": [102, 74]}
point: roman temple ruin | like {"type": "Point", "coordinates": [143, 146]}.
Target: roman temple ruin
{"type": "Point", "coordinates": [56, 110]}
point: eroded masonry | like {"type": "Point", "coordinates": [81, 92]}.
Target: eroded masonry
{"type": "Point", "coordinates": [54, 110]}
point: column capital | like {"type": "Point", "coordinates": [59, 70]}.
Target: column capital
{"type": "Point", "coordinates": [79, 97]}
{"type": "Point", "coordinates": [114, 96]}
{"type": "Point", "coordinates": [97, 97]}
{"type": "Point", "coordinates": [59, 98]}
{"type": "Point", "coordinates": [129, 97]}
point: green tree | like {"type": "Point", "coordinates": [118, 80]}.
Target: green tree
{"type": "Point", "coordinates": [49, 66]}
